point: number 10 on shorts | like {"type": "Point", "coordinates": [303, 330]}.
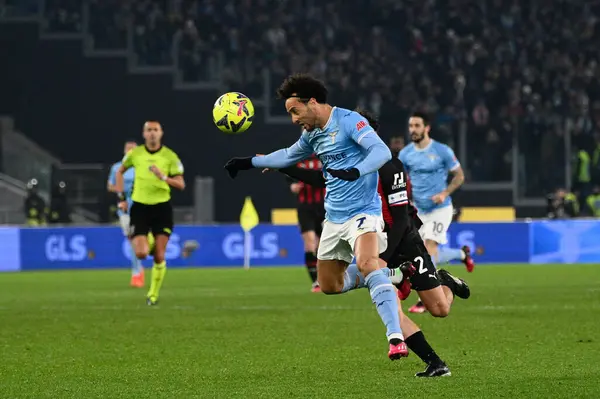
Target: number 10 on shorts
{"type": "Point", "coordinates": [438, 227]}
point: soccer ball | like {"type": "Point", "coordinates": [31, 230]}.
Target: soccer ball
{"type": "Point", "coordinates": [233, 113]}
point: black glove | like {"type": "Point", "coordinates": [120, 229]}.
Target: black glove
{"type": "Point", "coordinates": [345, 174]}
{"type": "Point", "coordinates": [234, 165]}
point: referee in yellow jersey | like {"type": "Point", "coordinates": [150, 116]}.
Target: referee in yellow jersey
{"type": "Point", "coordinates": [157, 169]}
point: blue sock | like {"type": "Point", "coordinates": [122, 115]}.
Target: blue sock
{"type": "Point", "coordinates": [447, 254]}
{"type": "Point", "coordinates": [384, 297]}
{"type": "Point", "coordinates": [352, 273]}
{"type": "Point", "coordinates": [136, 264]}
{"type": "Point", "coordinates": [350, 277]}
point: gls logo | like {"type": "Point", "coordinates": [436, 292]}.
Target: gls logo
{"type": "Point", "coordinates": [173, 248]}
{"type": "Point", "coordinates": [465, 237]}
{"type": "Point", "coordinates": [267, 248]}
{"type": "Point", "coordinates": [61, 248]}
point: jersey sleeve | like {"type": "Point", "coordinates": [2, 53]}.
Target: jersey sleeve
{"type": "Point", "coordinates": [112, 175]}
{"type": "Point", "coordinates": [127, 161]}
{"type": "Point", "coordinates": [176, 166]}
{"type": "Point", "coordinates": [377, 152]}
{"type": "Point", "coordinates": [358, 127]}
{"type": "Point", "coordinates": [450, 161]}
{"type": "Point", "coordinates": [283, 158]}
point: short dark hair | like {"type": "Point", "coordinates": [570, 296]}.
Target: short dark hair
{"type": "Point", "coordinates": [422, 115]}
{"type": "Point", "coordinates": [304, 87]}
{"type": "Point", "coordinates": [369, 117]}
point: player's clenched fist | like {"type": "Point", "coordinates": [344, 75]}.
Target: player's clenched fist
{"type": "Point", "coordinates": [123, 206]}
{"type": "Point", "coordinates": [234, 165]}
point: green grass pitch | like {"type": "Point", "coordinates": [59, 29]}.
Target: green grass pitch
{"type": "Point", "coordinates": [526, 332]}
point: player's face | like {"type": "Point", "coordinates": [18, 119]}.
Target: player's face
{"type": "Point", "coordinates": [302, 114]}
{"type": "Point", "coordinates": [417, 129]}
{"type": "Point", "coordinates": [396, 144]}
{"type": "Point", "coordinates": [129, 146]}
{"type": "Point", "coordinates": [152, 133]}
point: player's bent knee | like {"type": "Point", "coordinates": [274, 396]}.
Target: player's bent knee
{"type": "Point", "coordinates": [439, 309]}
{"type": "Point", "coordinates": [141, 254]}
{"type": "Point", "coordinates": [330, 287]}
{"type": "Point", "coordinates": [330, 284]}
{"type": "Point", "coordinates": [367, 264]}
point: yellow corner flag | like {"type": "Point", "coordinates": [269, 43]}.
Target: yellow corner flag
{"type": "Point", "coordinates": [248, 220]}
{"type": "Point", "coordinates": [249, 216]}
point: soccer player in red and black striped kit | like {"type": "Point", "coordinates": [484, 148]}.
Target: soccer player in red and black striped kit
{"type": "Point", "coordinates": [311, 213]}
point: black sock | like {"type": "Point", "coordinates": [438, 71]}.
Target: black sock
{"type": "Point", "coordinates": [310, 260]}
{"type": "Point", "coordinates": [418, 344]}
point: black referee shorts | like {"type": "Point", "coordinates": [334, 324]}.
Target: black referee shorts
{"type": "Point", "coordinates": [156, 218]}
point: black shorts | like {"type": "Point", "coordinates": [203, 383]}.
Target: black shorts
{"type": "Point", "coordinates": [157, 218]}
{"type": "Point", "coordinates": [412, 249]}
{"type": "Point", "coordinates": [310, 218]}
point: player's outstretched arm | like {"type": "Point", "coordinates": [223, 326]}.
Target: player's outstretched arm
{"type": "Point", "coordinates": [276, 160]}
{"type": "Point", "coordinates": [313, 177]}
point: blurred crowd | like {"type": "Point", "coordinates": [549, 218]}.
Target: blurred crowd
{"type": "Point", "coordinates": [496, 72]}
{"type": "Point", "coordinates": [39, 213]}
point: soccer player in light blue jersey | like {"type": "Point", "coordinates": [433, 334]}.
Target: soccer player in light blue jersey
{"type": "Point", "coordinates": [428, 163]}
{"type": "Point", "coordinates": [351, 153]}
{"type": "Point", "coordinates": [137, 270]}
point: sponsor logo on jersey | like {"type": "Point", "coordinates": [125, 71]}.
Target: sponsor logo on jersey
{"type": "Point", "coordinates": [332, 157]}
{"type": "Point", "coordinates": [398, 198]}
{"type": "Point", "coordinates": [399, 182]}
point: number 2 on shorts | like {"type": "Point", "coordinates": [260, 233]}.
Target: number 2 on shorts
{"type": "Point", "coordinates": [421, 262]}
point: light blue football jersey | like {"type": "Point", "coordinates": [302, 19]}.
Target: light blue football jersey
{"type": "Point", "coordinates": [428, 170]}
{"type": "Point", "coordinates": [343, 143]}
{"type": "Point", "coordinates": [128, 178]}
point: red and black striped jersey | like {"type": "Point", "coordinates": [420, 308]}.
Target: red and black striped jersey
{"type": "Point", "coordinates": [395, 189]}
{"type": "Point", "coordinates": [309, 194]}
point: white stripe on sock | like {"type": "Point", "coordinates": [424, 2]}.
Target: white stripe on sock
{"type": "Point", "coordinates": [395, 335]}
{"type": "Point", "coordinates": [380, 286]}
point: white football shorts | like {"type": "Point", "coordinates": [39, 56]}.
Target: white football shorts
{"type": "Point", "coordinates": [337, 240]}
{"type": "Point", "coordinates": [436, 224]}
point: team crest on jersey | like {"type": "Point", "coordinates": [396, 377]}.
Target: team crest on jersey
{"type": "Point", "coordinates": [432, 157]}
{"type": "Point", "coordinates": [332, 135]}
